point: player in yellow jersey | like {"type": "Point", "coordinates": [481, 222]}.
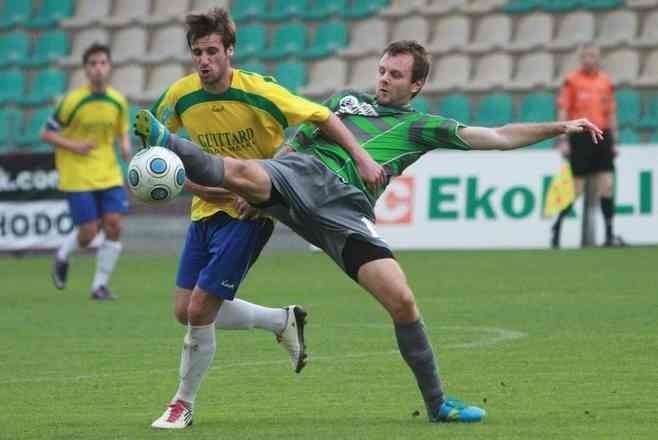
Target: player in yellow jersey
{"type": "Point", "coordinates": [230, 112]}
{"type": "Point", "coordinates": [83, 129]}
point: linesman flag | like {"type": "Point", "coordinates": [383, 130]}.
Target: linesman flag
{"type": "Point", "coordinates": [561, 192]}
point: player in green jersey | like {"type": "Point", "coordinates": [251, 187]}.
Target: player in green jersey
{"type": "Point", "coordinates": [316, 190]}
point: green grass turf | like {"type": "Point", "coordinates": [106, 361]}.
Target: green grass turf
{"type": "Point", "coordinates": [552, 344]}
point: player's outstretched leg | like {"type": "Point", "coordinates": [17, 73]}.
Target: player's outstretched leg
{"type": "Point", "coordinates": [292, 337]}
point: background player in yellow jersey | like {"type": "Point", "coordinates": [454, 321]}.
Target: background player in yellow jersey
{"type": "Point", "coordinates": [83, 129]}
{"type": "Point", "coordinates": [239, 114]}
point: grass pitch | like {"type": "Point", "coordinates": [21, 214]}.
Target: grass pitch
{"type": "Point", "coordinates": [552, 344]}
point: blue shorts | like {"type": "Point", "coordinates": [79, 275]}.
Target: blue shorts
{"type": "Point", "coordinates": [219, 251]}
{"type": "Point", "coordinates": [87, 206]}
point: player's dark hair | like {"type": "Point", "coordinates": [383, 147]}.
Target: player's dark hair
{"type": "Point", "coordinates": [94, 49]}
{"type": "Point", "coordinates": [421, 66]}
{"type": "Point", "coordinates": [213, 21]}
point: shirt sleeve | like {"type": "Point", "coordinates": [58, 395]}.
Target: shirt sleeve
{"type": "Point", "coordinates": [61, 115]}
{"type": "Point", "coordinates": [164, 110]}
{"type": "Point", "coordinates": [433, 131]}
{"type": "Point", "coordinates": [295, 108]}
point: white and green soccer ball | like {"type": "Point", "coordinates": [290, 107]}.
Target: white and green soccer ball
{"type": "Point", "coordinates": [156, 175]}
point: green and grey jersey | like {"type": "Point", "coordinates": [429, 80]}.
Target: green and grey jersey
{"type": "Point", "coordinates": [395, 137]}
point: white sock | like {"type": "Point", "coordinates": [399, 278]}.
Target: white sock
{"type": "Point", "coordinates": [106, 260]}
{"type": "Point", "coordinates": [198, 352]}
{"type": "Point", "coordinates": [69, 245]}
{"type": "Point", "coordinates": [243, 315]}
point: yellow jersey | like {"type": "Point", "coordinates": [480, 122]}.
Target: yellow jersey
{"type": "Point", "coordinates": [90, 117]}
{"type": "Point", "coordinates": [247, 121]}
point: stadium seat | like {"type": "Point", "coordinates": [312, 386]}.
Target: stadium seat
{"type": "Point", "coordinates": [165, 12]}
{"type": "Point", "coordinates": [450, 72]}
{"type": "Point", "coordinates": [560, 5]}
{"type": "Point", "coordinates": [14, 47]}
{"type": "Point", "coordinates": [81, 41]}
{"type": "Point", "coordinates": [12, 86]}
{"type": "Point", "coordinates": [420, 104]}
{"type": "Point", "coordinates": [649, 36]}
{"type": "Point", "coordinates": [617, 27]}
{"type": "Point", "coordinates": [167, 44]}
{"type": "Point", "coordinates": [321, 10]}
{"type": "Point", "coordinates": [11, 121]}
{"type": "Point", "coordinates": [601, 4]}
{"type": "Point", "coordinates": [649, 74]}
{"type": "Point", "coordinates": [575, 29]}
{"type": "Point", "coordinates": [15, 13]}
{"type": "Point", "coordinates": [521, 6]}
{"type": "Point", "coordinates": [326, 77]}
{"type": "Point", "coordinates": [450, 34]}
{"type": "Point", "coordinates": [77, 78]}
{"type": "Point", "coordinates": [202, 5]}
{"type": "Point", "coordinates": [629, 106]}
{"type": "Point", "coordinates": [364, 74]}
{"type": "Point", "coordinates": [366, 37]}
{"type": "Point", "coordinates": [28, 137]}
{"type": "Point", "coordinates": [455, 106]}
{"type": "Point", "coordinates": [50, 12]}
{"type": "Point", "coordinates": [538, 107]}
{"type": "Point", "coordinates": [534, 31]}
{"type": "Point", "coordinates": [650, 117]}
{"type": "Point", "coordinates": [533, 70]}
{"type": "Point", "coordinates": [482, 6]}
{"type": "Point", "coordinates": [492, 70]}
{"type": "Point", "coordinates": [654, 137]}
{"type": "Point", "coordinates": [622, 65]}
{"type": "Point", "coordinates": [291, 75]}
{"type": "Point", "coordinates": [567, 64]}
{"type": "Point", "coordinates": [160, 78]}
{"type": "Point", "coordinates": [129, 80]}
{"type": "Point", "coordinates": [87, 13]}
{"type": "Point", "coordinates": [641, 4]}
{"type": "Point", "coordinates": [281, 10]}
{"type": "Point", "coordinates": [251, 10]}
{"type": "Point", "coordinates": [359, 9]}
{"type": "Point", "coordinates": [129, 45]}
{"type": "Point", "coordinates": [288, 39]}
{"type": "Point", "coordinates": [127, 12]}
{"type": "Point", "coordinates": [494, 110]}
{"type": "Point", "coordinates": [329, 37]}
{"type": "Point", "coordinates": [47, 84]}
{"type": "Point", "coordinates": [412, 28]}
{"type": "Point", "coordinates": [628, 136]}
{"type": "Point", "coordinates": [49, 47]}
{"type": "Point", "coordinates": [250, 41]}
{"type": "Point", "coordinates": [442, 7]}
{"type": "Point", "coordinates": [493, 32]}
{"type": "Point", "coordinates": [402, 9]}
{"type": "Point", "coordinates": [255, 67]}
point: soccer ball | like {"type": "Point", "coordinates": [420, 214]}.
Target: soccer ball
{"type": "Point", "coordinates": [156, 175]}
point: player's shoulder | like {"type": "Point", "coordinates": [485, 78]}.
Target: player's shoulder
{"type": "Point", "coordinates": [184, 86]}
{"type": "Point", "coordinates": [76, 95]}
{"type": "Point", "coordinates": [116, 95]}
{"type": "Point", "coordinates": [255, 83]}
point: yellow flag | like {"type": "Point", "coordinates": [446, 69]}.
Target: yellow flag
{"type": "Point", "coordinates": [561, 192]}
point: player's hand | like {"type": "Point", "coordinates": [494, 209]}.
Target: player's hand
{"type": "Point", "coordinates": [84, 148]}
{"type": "Point", "coordinates": [372, 173]}
{"type": "Point", "coordinates": [245, 210]}
{"type": "Point", "coordinates": [584, 125]}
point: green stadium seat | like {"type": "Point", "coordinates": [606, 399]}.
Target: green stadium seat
{"type": "Point", "coordinates": [420, 104]}
{"type": "Point", "coordinates": [654, 137]}
{"type": "Point", "coordinates": [321, 10]}
{"type": "Point", "coordinates": [255, 67]}
{"type": "Point", "coordinates": [10, 123]}
{"type": "Point", "coordinates": [601, 4]}
{"type": "Point", "coordinates": [250, 41]}
{"type": "Point", "coordinates": [537, 107]}
{"type": "Point", "coordinates": [288, 39]}
{"type": "Point", "coordinates": [359, 9]}
{"type": "Point", "coordinates": [28, 137]}
{"type": "Point", "coordinates": [629, 105]}
{"type": "Point", "coordinates": [248, 10]}
{"type": "Point", "coordinates": [455, 106]}
{"type": "Point", "coordinates": [292, 75]}
{"type": "Point", "coordinates": [47, 84]}
{"type": "Point", "coordinates": [650, 118]}
{"type": "Point", "coordinates": [15, 13]}
{"type": "Point", "coordinates": [50, 13]}
{"type": "Point", "coordinates": [49, 47]}
{"type": "Point", "coordinates": [560, 5]}
{"type": "Point", "coordinates": [521, 6]}
{"type": "Point", "coordinates": [14, 47]}
{"type": "Point", "coordinates": [284, 9]}
{"type": "Point", "coordinates": [628, 136]}
{"type": "Point", "coordinates": [329, 37]}
{"type": "Point", "coordinates": [12, 86]}
{"type": "Point", "coordinates": [494, 110]}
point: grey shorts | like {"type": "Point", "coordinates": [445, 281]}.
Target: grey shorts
{"type": "Point", "coordinates": [320, 207]}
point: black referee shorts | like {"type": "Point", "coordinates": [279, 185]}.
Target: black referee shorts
{"type": "Point", "coordinates": [586, 157]}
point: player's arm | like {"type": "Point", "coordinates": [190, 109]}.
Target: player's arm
{"type": "Point", "coordinates": [126, 146]}
{"type": "Point", "coordinates": [53, 137]}
{"type": "Point", "coordinates": [513, 136]}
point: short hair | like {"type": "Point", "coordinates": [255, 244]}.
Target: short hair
{"type": "Point", "coordinates": [94, 49]}
{"type": "Point", "coordinates": [421, 65]}
{"type": "Point", "coordinates": [213, 21]}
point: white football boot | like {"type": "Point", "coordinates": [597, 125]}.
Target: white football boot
{"type": "Point", "coordinates": [178, 415]}
{"type": "Point", "coordinates": [292, 337]}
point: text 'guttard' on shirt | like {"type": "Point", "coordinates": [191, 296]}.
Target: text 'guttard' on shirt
{"type": "Point", "coordinates": [588, 95]}
{"type": "Point", "coordinates": [395, 137]}
{"type": "Point", "coordinates": [97, 118]}
{"type": "Point", "coordinates": [247, 121]}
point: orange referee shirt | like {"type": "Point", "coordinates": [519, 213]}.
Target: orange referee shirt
{"type": "Point", "coordinates": [590, 96]}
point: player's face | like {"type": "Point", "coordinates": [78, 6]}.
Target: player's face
{"type": "Point", "coordinates": [589, 58]}
{"type": "Point", "coordinates": [394, 85]}
{"type": "Point", "coordinates": [211, 59]}
{"type": "Point", "coordinates": [98, 68]}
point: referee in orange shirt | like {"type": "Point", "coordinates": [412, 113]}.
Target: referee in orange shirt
{"type": "Point", "coordinates": [588, 93]}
